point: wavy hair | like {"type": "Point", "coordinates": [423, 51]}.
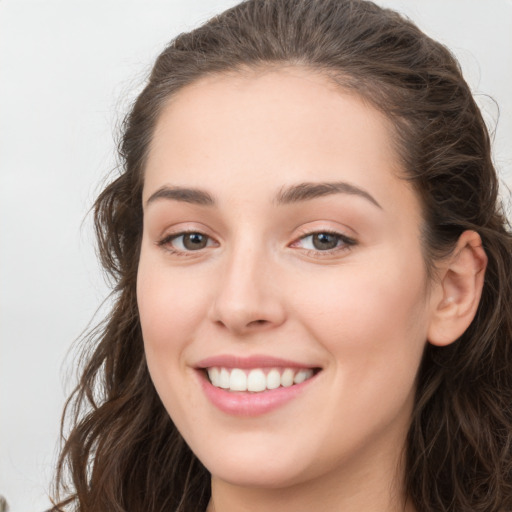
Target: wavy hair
{"type": "Point", "coordinates": [123, 452]}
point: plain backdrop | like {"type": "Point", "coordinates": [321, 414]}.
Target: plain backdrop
{"type": "Point", "coordinates": [68, 71]}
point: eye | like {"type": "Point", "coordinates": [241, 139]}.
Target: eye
{"type": "Point", "coordinates": [324, 241]}
{"type": "Point", "coordinates": [186, 242]}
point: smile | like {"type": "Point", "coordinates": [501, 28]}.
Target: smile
{"type": "Point", "coordinates": [257, 380]}
{"type": "Point", "coordinates": [255, 385]}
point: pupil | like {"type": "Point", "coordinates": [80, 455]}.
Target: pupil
{"type": "Point", "coordinates": [194, 241]}
{"type": "Point", "coordinates": [324, 241]}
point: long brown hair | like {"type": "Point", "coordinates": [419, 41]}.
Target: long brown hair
{"type": "Point", "coordinates": [123, 451]}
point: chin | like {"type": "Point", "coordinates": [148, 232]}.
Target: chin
{"type": "Point", "coordinates": [268, 477]}
{"type": "Point", "coordinates": [256, 468]}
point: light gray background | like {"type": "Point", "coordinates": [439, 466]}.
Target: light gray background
{"type": "Point", "coordinates": [68, 70]}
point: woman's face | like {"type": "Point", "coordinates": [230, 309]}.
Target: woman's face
{"type": "Point", "coordinates": [280, 245]}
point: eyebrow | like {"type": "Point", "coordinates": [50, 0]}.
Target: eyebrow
{"type": "Point", "coordinates": [287, 195]}
{"type": "Point", "coordinates": [186, 195]}
{"type": "Point", "coordinates": [307, 191]}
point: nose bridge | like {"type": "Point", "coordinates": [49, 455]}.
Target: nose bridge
{"type": "Point", "coordinates": [247, 297]}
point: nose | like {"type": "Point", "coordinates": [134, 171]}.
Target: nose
{"type": "Point", "coordinates": [247, 298]}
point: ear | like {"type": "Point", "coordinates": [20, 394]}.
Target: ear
{"type": "Point", "coordinates": [457, 295]}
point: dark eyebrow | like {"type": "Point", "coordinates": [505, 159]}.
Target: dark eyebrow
{"type": "Point", "coordinates": [287, 195]}
{"type": "Point", "coordinates": [307, 191]}
{"type": "Point", "coordinates": [186, 195]}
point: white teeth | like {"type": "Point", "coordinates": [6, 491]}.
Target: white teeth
{"type": "Point", "coordinates": [238, 380]}
{"type": "Point", "coordinates": [287, 378]}
{"type": "Point", "coordinates": [256, 380]}
{"type": "Point", "coordinates": [213, 374]}
{"type": "Point", "coordinates": [224, 379]}
{"type": "Point", "coordinates": [302, 376]}
{"type": "Point", "coordinates": [273, 379]}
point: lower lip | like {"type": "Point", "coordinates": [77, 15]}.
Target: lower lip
{"type": "Point", "coordinates": [242, 403]}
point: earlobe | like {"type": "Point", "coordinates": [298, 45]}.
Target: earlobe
{"type": "Point", "coordinates": [458, 293]}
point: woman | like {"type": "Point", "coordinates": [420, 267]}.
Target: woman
{"type": "Point", "coordinates": [313, 279]}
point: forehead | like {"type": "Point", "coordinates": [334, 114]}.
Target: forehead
{"type": "Point", "coordinates": [299, 102]}
{"type": "Point", "coordinates": [234, 131]}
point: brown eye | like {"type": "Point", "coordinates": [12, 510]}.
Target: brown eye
{"type": "Point", "coordinates": [325, 241]}
{"type": "Point", "coordinates": [186, 242]}
{"type": "Point", "coordinates": [194, 241]}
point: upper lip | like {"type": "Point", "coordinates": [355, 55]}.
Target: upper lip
{"type": "Point", "coordinates": [255, 361]}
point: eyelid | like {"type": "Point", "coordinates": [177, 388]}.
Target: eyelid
{"type": "Point", "coordinates": [165, 241]}
{"type": "Point", "coordinates": [347, 242]}
{"type": "Point", "coordinates": [182, 228]}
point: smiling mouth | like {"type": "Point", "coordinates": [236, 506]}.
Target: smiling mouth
{"type": "Point", "coordinates": [258, 380]}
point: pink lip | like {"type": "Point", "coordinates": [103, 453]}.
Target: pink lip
{"type": "Point", "coordinates": [245, 403]}
{"type": "Point", "coordinates": [255, 361]}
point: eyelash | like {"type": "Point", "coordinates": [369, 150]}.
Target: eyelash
{"type": "Point", "coordinates": [347, 243]}
{"type": "Point", "coordinates": [165, 243]}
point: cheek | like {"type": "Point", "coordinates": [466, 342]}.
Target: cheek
{"type": "Point", "coordinates": [373, 325]}
{"type": "Point", "coordinates": [382, 290]}
{"type": "Point", "coordinates": [170, 305]}
{"type": "Point", "coordinates": [372, 319]}
{"type": "Point", "coordinates": [170, 308]}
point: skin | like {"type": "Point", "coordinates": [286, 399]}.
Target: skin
{"type": "Point", "coordinates": [360, 312]}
